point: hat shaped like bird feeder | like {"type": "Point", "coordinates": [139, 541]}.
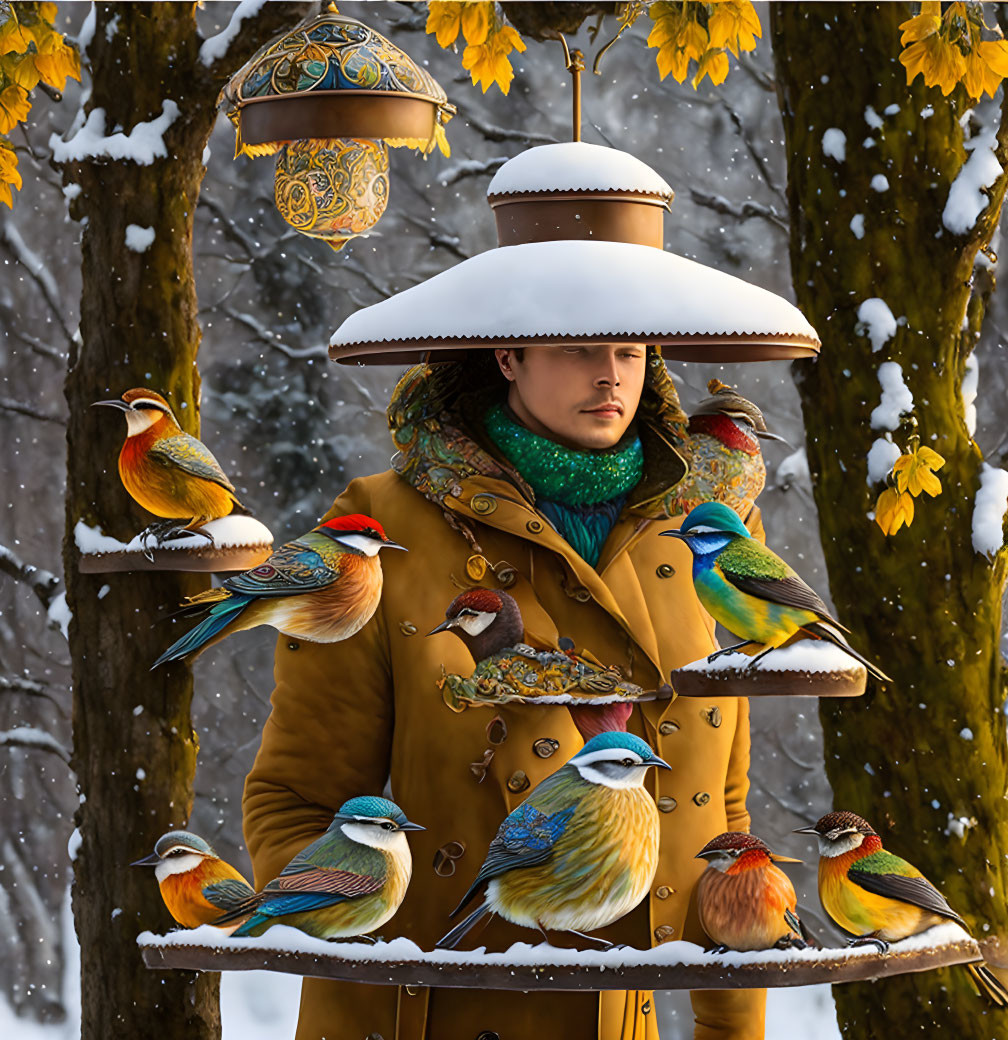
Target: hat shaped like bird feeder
{"type": "Point", "coordinates": [328, 98]}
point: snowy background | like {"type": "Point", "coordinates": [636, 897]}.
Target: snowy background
{"type": "Point", "coordinates": [291, 429]}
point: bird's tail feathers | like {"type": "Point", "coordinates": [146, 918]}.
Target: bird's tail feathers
{"type": "Point", "coordinates": [193, 606]}
{"type": "Point", "coordinates": [213, 627]}
{"type": "Point", "coordinates": [989, 984]}
{"type": "Point", "coordinates": [824, 630]}
{"type": "Point", "coordinates": [455, 936]}
{"type": "Point", "coordinates": [239, 911]}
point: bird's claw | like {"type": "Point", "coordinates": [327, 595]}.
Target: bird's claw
{"type": "Point", "coordinates": [716, 951]}
{"type": "Point", "coordinates": [870, 940]}
{"type": "Point", "coordinates": [790, 942]}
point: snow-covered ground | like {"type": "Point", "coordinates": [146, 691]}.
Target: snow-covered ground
{"type": "Point", "coordinates": [263, 1005]}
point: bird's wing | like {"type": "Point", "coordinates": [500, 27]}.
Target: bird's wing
{"type": "Point", "coordinates": [754, 569]}
{"type": "Point", "coordinates": [191, 456]}
{"type": "Point", "coordinates": [885, 874]}
{"type": "Point", "coordinates": [296, 567]}
{"type": "Point", "coordinates": [342, 884]}
{"type": "Point", "coordinates": [524, 839]}
{"type": "Point", "coordinates": [227, 894]}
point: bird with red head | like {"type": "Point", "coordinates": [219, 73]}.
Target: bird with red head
{"type": "Point", "coordinates": [322, 587]}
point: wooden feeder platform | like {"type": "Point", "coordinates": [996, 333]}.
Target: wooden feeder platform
{"type": "Point", "coordinates": [240, 543]}
{"type": "Point", "coordinates": [672, 965]}
{"type": "Point", "coordinates": [806, 668]}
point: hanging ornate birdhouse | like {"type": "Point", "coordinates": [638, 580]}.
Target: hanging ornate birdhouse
{"type": "Point", "coordinates": [580, 262]}
{"type": "Point", "coordinates": [330, 96]}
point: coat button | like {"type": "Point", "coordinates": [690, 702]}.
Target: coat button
{"type": "Point", "coordinates": [518, 781]}
{"type": "Point", "coordinates": [701, 798]}
{"type": "Point", "coordinates": [476, 567]}
{"type": "Point", "coordinates": [487, 1034]}
{"type": "Point", "coordinates": [293, 646]}
{"type": "Point", "coordinates": [666, 803]}
{"type": "Point", "coordinates": [407, 628]}
{"type": "Point", "coordinates": [667, 727]}
{"type": "Point", "coordinates": [665, 570]}
{"type": "Point", "coordinates": [664, 932]}
{"type": "Point", "coordinates": [483, 504]}
{"type": "Point", "coordinates": [545, 746]}
{"type": "Point", "coordinates": [663, 892]}
{"type": "Point", "coordinates": [534, 526]}
{"type": "Point", "coordinates": [712, 715]}
{"type": "Point", "coordinates": [444, 858]}
{"type": "Point", "coordinates": [580, 593]}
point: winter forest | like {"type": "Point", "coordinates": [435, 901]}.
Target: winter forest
{"type": "Point", "coordinates": [812, 170]}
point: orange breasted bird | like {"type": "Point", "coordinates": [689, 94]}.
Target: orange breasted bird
{"type": "Point", "coordinates": [876, 896]}
{"type": "Point", "coordinates": [750, 590]}
{"type": "Point", "coordinates": [346, 883]}
{"type": "Point", "coordinates": [580, 852]}
{"type": "Point", "coordinates": [744, 900]}
{"type": "Point", "coordinates": [196, 885]}
{"type": "Point", "coordinates": [165, 470]}
{"type": "Point", "coordinates": [489, 622]}
{"type": "Point", "coordinates": [323, 587]}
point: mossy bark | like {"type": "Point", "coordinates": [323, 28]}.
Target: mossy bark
{"type": "Point", "coordinates": [929, 748]}
{"type": "Point", "coordinates": [134, 746]}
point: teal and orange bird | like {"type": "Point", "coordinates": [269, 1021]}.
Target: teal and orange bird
{"type": "Point", "coordinates": [168, 472]}
{"type": "Point", "coordinates": [196, 885]}
{"type": "Point", "coordinates": [876, 896]}
{"type": "Point", "coordinates": [745, 901]}
{"type": "Point", "coordinates": [726, 459]}
{"type": "Point", "coordinates": [580, 852]}
{"type": "Point", "coordinates": [345, 884]}
{"type": "Point", "coordinates": [323, 587]}
{"type": "Point", "coordinates": [750, 590]}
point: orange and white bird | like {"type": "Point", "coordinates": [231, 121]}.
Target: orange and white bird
{"type": "Point", "coordinates": [744, 900]}
{"type": "Point", "coordinates": [196, 885]}
{"type": "Point", "coordinates": [168, 472]}
{"type": "Point", "coordinates": [324, 586]}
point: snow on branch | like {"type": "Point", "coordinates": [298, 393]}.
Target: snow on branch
{"type": "Point", "coordinates": [31, 687]}
{"type": "Point", "coordinates": [968, 193]}
{"type": "Point", "coordinates": [43, 583]}
{"type": "Point", "coordinates": [30, 737]}
{"type": "Point", "coordinates": [896, 397]}
{"type": "Point", "coordinates": [215, 47]}
{"type": "Point", "coordinates": [266, 335]}
{"type": "Point", "coordinates": [989, 509]}
{"type": "Point", "coordinates": [495, 133]}
{"type": "Point", "coordinates": [470, 168]}
{"type": "Point", "coordinates": [8, 404]}
{"type": "Point", "coordinates": [142, 145]}
{"type": "Point", "coordinates": [739, 210]}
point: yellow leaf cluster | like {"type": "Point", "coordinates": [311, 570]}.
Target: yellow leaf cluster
{"type": "Point", "coordinates": [703, 33]}
{"type": "Point", "coordinates": [489, 63]}
{"type": "Point", "coordinates": [914, 474]}
{"type": "Point", "coordinates": [474, 20]}
{"type": "Point", "coordinates": [489, 42]}
{"type": "Point", "coordinates": [31, 50]}
{"type": "Point", "coordinates": [947, 48]}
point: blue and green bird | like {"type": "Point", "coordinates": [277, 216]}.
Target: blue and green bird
{"type": "Point", "coordinates": [345, 884]}
{"type": "Point", "coordinates": [580, 852]}
{"type": "Point", "coordinates": [750, 590]}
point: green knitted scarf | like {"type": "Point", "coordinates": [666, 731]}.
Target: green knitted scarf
{"type": "Point", "coordinates": [580, 492]}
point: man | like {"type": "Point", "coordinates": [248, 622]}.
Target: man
{"type": "Point", "coordinates": [548, 471]}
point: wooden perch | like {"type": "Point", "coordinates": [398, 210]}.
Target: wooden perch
{"type": "Point", "coordinates": [675, 965]}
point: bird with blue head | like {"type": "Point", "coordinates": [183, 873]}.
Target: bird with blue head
{"type": "Point", "coordinates": [346, 883]}
{"type": "Point", "coordinates": [195, 883]}
{"type": "Point", "coordinates": [750, 590]}
{"type": "Point", "coordinates": [580, 852]}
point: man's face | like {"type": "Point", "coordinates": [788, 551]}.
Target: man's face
{"type": "Point", "coordinates": [582, 397]}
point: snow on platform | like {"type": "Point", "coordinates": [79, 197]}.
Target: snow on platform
{"type": "Point", "coordinates": [576, 166]}
{"type": "Point", "coordinates": [239, 542]}
{"type": "Point", "coordinates": [806, 668]}
{"type": "Point", "coordinates": [673, 965]}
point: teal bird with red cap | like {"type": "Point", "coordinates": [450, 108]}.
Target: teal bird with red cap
{"type": "Point", "coordinates": [750, 590]}
{"type": "Point", "coordinates": [345, 884]}
{"type": "Point", "coordinates": [580, 852]}
{"type": "Point", "coordinates": [323, 587]}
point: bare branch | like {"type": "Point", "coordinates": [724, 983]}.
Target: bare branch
{"type": "Point", "coordinates": [499, 133]}
{"type": "Point", "coordinates": [8, 404]}
{"type": "Point", "coordinates": [271, 339]}
{"type": "Point", "coordinates": [43, 583]}
{"type": "Point", "coordinates": [760, 162]}
{"type": "Point", "coordinates": [739, 210]}
{"type": "Point", "coordinates": [438, 239]}
{"type": "Point", "coordinates": [11, 240]}
{"type": "Point", "coordinates": [30, 737]}
{"type": "Point", "coordinates": [470, 168]}
{"type": "Point", "coordinates": [230, 229]}
{"type": "Point", "coordinates": [31, 687]}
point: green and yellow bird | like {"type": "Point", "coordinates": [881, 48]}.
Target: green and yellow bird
{"type": "Point", "coordinates": [750, 590]}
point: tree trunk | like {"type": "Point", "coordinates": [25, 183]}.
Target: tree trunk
{"type": "Point", "coordinates": [914, 755]}
{"type": "Point", "coordinates": [134, 745]}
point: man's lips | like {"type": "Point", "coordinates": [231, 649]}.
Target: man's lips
{"type": "Point", "coordinates": [605, 411]}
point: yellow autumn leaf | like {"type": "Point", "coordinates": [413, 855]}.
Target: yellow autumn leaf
{"type": "Point", "coordinates": [8, 167]}
{"type": "Point", "coordinates": [673, 59]}
{"type": "Point", "coordinates": [665, 29]}
{"type": "Point", "coordinates": [488, 63]}
{"type": "Point", "coordinates": [940, 63]}
{"type": "Point", "coordinates": [995, 55]}
{"type": "Point", "coordinates": [441, 140]}
{"type": "Point", "coordinates": [14, 38]}
{"type": "Point", "coordinates": [923, 25]}
{"type": "Point", "coordinates": [714, 63]}
{"type": "Point", "coordinates": [694, 40]}
{"type": "Point", "coordinates": [930, 458]}
{"type": "Point", "coordinates": [14, 106]}
{"type": "Point", "coordinates": [57, 66]}
{"type": "Point", "coordinates": [914, 472]}
{"type": "Point", "coordinates": [20, 69]}
{"type": "Point", "coordinates": [892, 510]}
{"type": "Point", "coordinates": [48, 12]}
{"type": "Point", "coordinates": [476, 21]}
{"type": "Point", "coordinates": [444, 19]}
{"type": "Point", "coordinates": [734, 24]}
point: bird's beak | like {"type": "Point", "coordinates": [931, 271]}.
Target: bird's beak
{"type": "Point", "coordinates": [121, 405]}
{"type": "Point", "coordinates": [682, 535]}
{"type": "Point", "coordinates": [389, 544]}
{"type": "Point", "coordinates": [766, 435]}
{"type": "Point", "coordinates": [708, 854]}
{"type": "Point", "coordinates": [654, 760]}
{"type": "Point", "coordinates": [443, 627]}
{"type": "Point", "coordinates": [784, 859]}
{"type": "Point", "coordinates": [408, 826]}
{"type": "Point", "coordinates": [148, 861]}
{"type": "Point", "coordinates": [806, 830]}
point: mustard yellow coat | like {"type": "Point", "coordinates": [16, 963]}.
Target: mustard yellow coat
{"type": "Point", "coordinates": [350, 717]}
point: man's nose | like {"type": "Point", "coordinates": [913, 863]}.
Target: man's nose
{"type": "Point", "coordinates": [608, 374]}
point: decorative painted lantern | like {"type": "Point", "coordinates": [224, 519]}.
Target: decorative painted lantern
{"type": "Point", "coordinates": [328, 98]}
